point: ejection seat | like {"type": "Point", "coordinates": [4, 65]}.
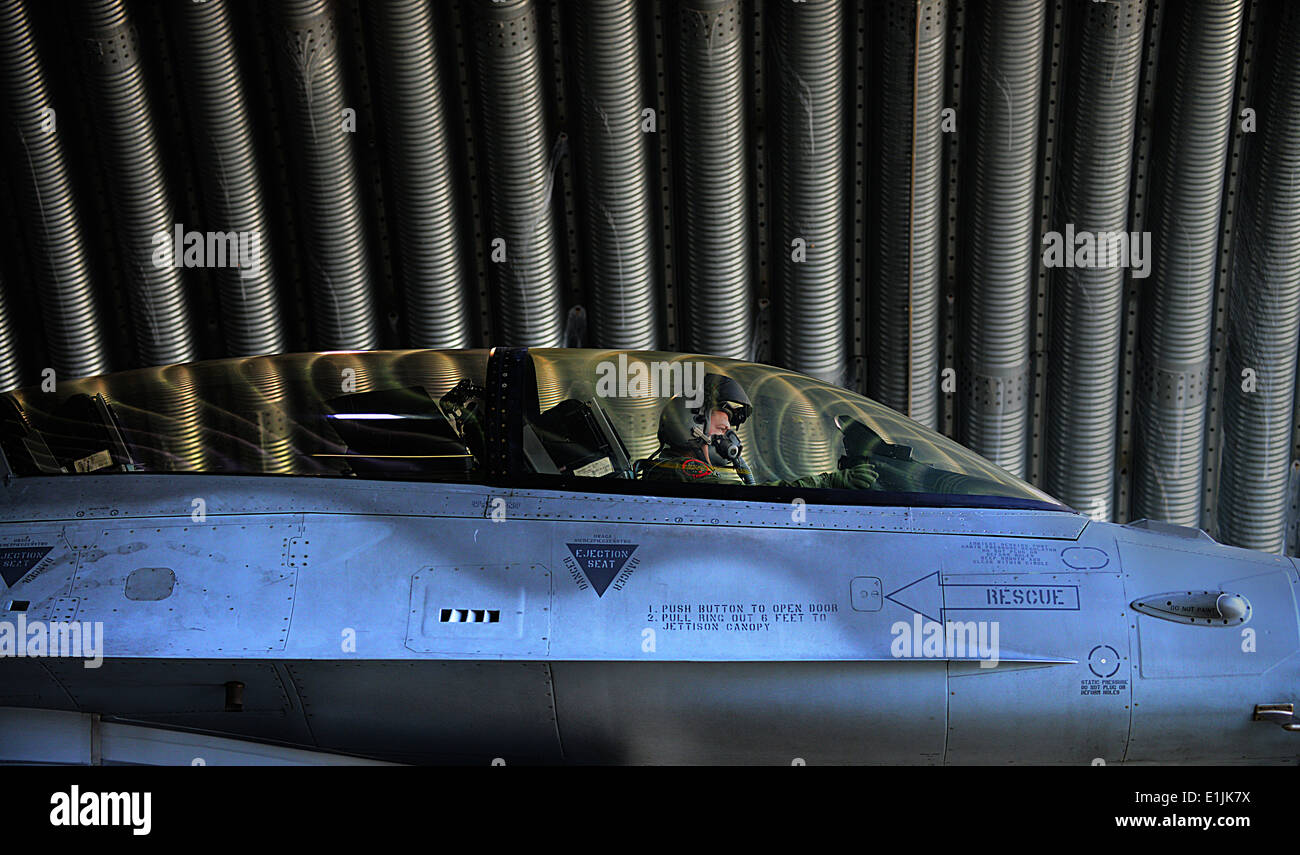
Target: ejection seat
{"type": "Point", "coordinates": [576, 438]}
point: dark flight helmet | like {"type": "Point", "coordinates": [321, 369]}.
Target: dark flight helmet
{"type": "Point", "coordinates": [723, 393]}
{"type": "Point", "coordinates": [682, 426]}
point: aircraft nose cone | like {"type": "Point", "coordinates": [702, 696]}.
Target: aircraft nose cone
{"type": "Point", "coordinates": [1232, 606]}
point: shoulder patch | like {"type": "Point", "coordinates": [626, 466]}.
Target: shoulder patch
{"type": "Point", "coordinates": [696, 468]}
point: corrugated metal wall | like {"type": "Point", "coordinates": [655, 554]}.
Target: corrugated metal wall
{"type": "Point", "coordinates": [860, 193]}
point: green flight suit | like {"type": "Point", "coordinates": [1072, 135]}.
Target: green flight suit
{"type": "Point", "coordinates": [691, 470]}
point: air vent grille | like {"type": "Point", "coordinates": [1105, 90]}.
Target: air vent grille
{"type": "Point", "coordinates": [470, 616]}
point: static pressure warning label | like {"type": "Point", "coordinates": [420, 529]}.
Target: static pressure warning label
{"type": "Point", "coordinates": [601, 564]}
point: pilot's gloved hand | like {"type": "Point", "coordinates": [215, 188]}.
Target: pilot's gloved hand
{"type": "Point", "coordinates": [859, 476]}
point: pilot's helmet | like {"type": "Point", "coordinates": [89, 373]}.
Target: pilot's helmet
{"type": "Point", "coordinates": [723, 393]}
{"type": "Point", "coordinates": [682, 426]}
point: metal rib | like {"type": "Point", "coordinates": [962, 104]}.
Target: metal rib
{"type": "Point", "coordinates": [718, 285]}
{"type": "Point", "coordinates": [1002, 235]}
{"type": "Point", "coordinates": [1087, 302]}
{"type": "Point", "coordinates": [1188, 197]}
{"type": "Point", "coordinates": [1264, 311]}
{"type": "Point", "coordinates": [133, 168]}
{"type": "Point", "coordinates": [905, 309]}
{"type": "Point", "coordinates": [522, 159]}
{"type": "Point", "coordinates": [64, 284]}
{"type": "Point", "coordinates": [430, 255]}
{"type": "Point", "coordinates": [338, 258]}
{"type": "Point", "coordinates": [11, 374]}
{"type": "Point", "coordinates": [620, 224]}
{"type": "Point", "coordinates": [232, 187]}
{"type": "Point", "coordinates": [808, 60]}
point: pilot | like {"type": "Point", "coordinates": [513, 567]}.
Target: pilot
{"type": "Point", "coordinates": [696, 441]}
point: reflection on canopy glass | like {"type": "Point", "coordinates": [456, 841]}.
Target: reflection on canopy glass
{"type": "Point", "coordinates": [793, 431]}
{"type": "Point", "coordinates": [376, 414]}
{"type": "Point", "coordinates": [422, 415]}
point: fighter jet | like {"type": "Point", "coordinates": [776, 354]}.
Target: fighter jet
{"type": "Point", "coordinates": [582, 556]}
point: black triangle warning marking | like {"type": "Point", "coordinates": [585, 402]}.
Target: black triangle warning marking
{"type": "Point", "coordinates": [15, 561]}
{"type": "Point", "coordinates": [601, 562]}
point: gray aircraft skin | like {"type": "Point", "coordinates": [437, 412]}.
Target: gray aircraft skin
{"type": "Point", "coordinates": [438, 598]}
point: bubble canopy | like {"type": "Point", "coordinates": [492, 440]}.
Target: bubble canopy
{"type": "Point", "coordinates": [586, 420]}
